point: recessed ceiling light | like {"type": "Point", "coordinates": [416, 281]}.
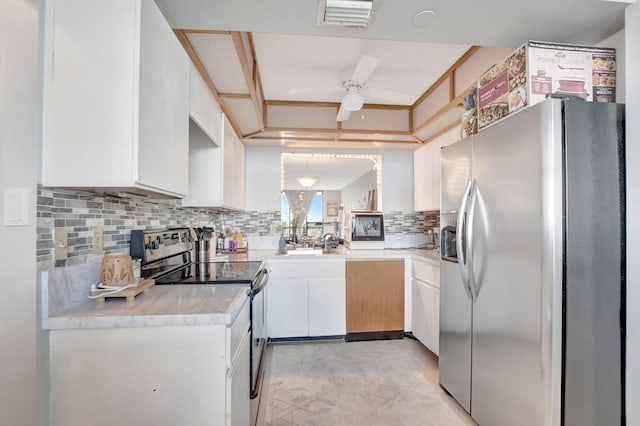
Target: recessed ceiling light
{"type": "Point", "coordinates": [424, 17]}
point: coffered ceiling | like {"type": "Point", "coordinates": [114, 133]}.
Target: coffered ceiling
{"type": "Point", "coordinates": [257, 55]}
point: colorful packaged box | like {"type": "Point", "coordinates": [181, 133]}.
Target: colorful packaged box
{"type": "Point", "coordinates": [536, 69]}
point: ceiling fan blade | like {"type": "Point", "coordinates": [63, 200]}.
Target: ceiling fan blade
{"type": "Point", "coordinates": [390, 95]}
{"type": "Point", "coordinates": [343, 114]}
{"type": "Point", "coordinates": [317, 91]}
{"type": "Point", "coordinates": [366, 65]}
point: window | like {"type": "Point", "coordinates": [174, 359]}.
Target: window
{"type": "Point", "coordinates": [298, 219]}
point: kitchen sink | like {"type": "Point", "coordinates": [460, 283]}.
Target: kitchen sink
{"type": "Point", "coordinates": [314, 251]}
{"type": "Point", "coordinates": [305, 252]}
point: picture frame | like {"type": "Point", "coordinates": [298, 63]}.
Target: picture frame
{"type": "Point", "coordinates": [332, 209]}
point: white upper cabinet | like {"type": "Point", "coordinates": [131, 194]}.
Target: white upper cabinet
{"type": "Point", "coordinates": [423, 173]}
{"type": "Point", "coordinates": [116, 99]}
{"type": "Point", "coordinates": [203, 107]}
{"type": "Point", "coordinates": [426, 171]}
{"type": "Point", "coordinates": [216, 173]}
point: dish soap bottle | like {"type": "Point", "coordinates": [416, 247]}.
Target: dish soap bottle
{"type": "Point", "coordinates": [239, 240]}
{"type": "Point", "coordinates": [282, 245]}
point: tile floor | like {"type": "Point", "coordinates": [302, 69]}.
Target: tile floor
{"type": "Point", "coordinates": [384, 382]}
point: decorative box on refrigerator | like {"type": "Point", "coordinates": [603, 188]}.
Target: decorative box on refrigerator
{"type": "Point", "coordinates": [537, 69]}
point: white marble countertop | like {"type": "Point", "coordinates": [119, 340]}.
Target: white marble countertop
{"type": "Point", "coordinates": [428, 255]}
{"type": "Point", "coordinates": [183, 305]}
{"type": "Point", "coordinates": [161, 306]}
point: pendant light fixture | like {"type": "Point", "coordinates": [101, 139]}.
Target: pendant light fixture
{"type": "Point", "coordinates": [307, 181]}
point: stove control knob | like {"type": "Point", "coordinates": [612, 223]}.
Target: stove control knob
{"type": "Point", "coordinates": [160, 239]}
{"type": "Point", "coordinates": [152, 245]}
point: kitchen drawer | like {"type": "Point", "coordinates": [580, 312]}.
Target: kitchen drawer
{"type": "Point", "coordinates": [237, 330]}
{"type": "Point", "coordinates": [315, 268]}
{"type": "Point", "coordinates": [425, 271]}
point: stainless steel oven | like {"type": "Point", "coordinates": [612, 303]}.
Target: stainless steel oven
{"type": "Point", "coordinates": [258, 338]}
{"type": "Point", "coordinates": [166, 256]}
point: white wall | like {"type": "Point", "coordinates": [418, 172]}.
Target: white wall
{"type": "Point", "coordinates": [330, 197]}
{"type": "Point", "coordinates": [353, 194]}
{"type": "Point", "coordinates": [262, 177]}
{"type": "Point", "coordinates": [632, 42]}
{"type": "Point", "coordinates": [20, 128]}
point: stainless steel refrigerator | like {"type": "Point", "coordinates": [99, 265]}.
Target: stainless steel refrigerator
{"type": "Point", "coordinates": [532, 275]}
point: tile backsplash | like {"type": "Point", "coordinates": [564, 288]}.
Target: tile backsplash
{"type": "Point", "coordinates": [79, 212]}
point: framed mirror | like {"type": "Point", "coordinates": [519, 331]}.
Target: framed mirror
{"type": "Point", "coordinates": [318, 189]}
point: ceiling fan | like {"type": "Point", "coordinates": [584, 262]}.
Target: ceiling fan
{"type": "Point", "coordinates": [353, 82]}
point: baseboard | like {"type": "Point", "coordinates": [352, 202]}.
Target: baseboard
{"type": "Point", "coordinates": [374, 335]}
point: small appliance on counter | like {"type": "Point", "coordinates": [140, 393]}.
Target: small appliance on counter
{"type": "Point", "coordinates": [365, 230]}
{"type": "Point", "coordinates": [202, 236]}
{"type": "Point", "coordinates": [432, 238]}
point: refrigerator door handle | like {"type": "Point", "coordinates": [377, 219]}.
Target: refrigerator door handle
{"type": "Point", "coordinates": [461, 239]}
{"type": "Point", "coordinates": [473, 289]}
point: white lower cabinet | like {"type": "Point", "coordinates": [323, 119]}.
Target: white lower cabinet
{"type": "Point", "coordinates": [425, 301]}
{"type": "Point", "coordinates": [289, 307]}
{"type": "Point", "coordinates": [327, 306]}
{"type": "Point", "coordinates": [239, 386]}
{"type": "Point", "coordinates": [307, 298]}
{"type": "Point", "coordinates": [162, 376]}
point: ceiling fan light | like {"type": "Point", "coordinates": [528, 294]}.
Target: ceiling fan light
{"type": "Point", "coordinates": [307, 182]}
{"type": "Point", "coordinates": [352, 101]}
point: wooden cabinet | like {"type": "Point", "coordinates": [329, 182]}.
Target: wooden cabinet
{"type": "Point", "coordinates": [116, 99]}
{"type": "Point", "coordinates": [163, 376]}
{"type": "Point", "coordinates": [375, 296]}
{"type": "Point", "coordinates": [426, 304]}
{"type": "Point", "coordinates": [307, 298]}
{"type": "Point", "coordinates": [216, 173]}
{"type": "Point", "coordinates": [426, 172]}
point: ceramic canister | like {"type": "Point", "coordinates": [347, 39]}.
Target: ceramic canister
{"type": "Point", "coordinates": [117, 270]}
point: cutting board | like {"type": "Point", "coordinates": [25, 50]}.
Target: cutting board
{"type": "Point", "coordinates": [144, 284]}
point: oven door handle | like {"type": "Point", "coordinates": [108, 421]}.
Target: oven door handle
{"type": "Point", "coordinates": [262, 280]}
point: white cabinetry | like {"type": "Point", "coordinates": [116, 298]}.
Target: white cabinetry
{"type": "Point", "coordinates": [216, 173]}
{"type": "Point", "coordinates": [327, 301]}
{"type": "Point", "coordinates": [307, 298]}
{"type": "Point", "coordinates": [238, 386]}
{"type": "Point", "coordinates": [289, 307]}
{"type": "Point", "coordinates": [425, 299]}
{"type": "Point", "coordinates": [423, 174]}
{"type": "Point", "coordinates": [116, 99]}
{"type": "Point", "coordinates": [203, 107]}
{"type": "Point", "coordinates": [426, 172]}
{"type": "Point", "coordinates": [161, 376]}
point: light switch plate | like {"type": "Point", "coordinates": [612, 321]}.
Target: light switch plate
{"type": "Point", "coordinates": [16, 207]}
{"type": "Point", "coordinates": [60, 243]}
{"type": "Point", "coordinates": [98, 241]}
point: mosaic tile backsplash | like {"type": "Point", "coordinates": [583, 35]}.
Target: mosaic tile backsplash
{"type": "Point", "coordinates": [79, 212]}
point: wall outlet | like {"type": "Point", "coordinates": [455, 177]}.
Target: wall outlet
{"type": "Point", "coordinates": [60, 243]}
{"type": "Point", "coordinates": [98, 241]}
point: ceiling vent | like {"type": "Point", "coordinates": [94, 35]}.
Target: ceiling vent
{"type": "Point", "coordinates": [346, 13]}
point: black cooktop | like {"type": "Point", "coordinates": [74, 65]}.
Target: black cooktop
{"type": "Point", "coordinates": [213, 273]}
